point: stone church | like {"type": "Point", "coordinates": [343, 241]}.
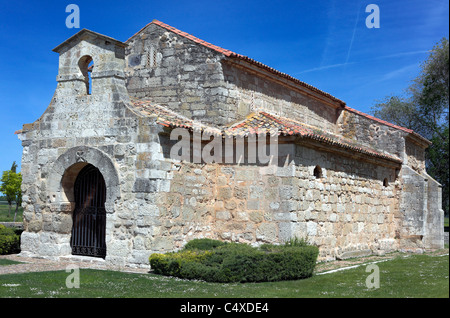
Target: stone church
{"type": "Point", "coordinates": [100, 178]}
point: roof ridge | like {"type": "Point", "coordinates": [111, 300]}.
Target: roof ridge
{"type": "Point", "coordinates": [378, 120]}
{"type": "Point", "coordinates": [384, 122]}
{"type": "Point", "coordinates": [188, 36]}
{"type": "Point", "coordinates": [195, 39]}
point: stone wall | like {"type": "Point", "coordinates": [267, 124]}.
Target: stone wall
{"type": "Point", "coordinates": [434, 230]}
{"type": "Point", "coordinates": [347, 210]}
{"type": "Point", "coordinates": [50, 168]}
{"type": "Point", "coordinates": [372, 133]}
{"type": "Point", "coordinates": [415, 155]}
{"type": "Point", "coordinates": [258, 92]}
{"type": "Point", "coordinates": [78, 128]}
{"type": "Point", "coordinates": [421, 215]}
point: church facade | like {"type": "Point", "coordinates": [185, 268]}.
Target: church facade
{"type": "Point", "coordinates": [149, 143]}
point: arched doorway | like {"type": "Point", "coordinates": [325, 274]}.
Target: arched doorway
{"type": "Point", "coordinates": [89, 216]}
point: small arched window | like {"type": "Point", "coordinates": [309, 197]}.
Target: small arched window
{"type": "Point", "coordinates": [86, 65]}
{"type": "Point", "coordinates": [317, 172]}
{"type": "Point", "coordinates": [385, 182]}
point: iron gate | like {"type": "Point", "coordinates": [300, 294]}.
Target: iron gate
{"type": "Point", "coordinates": [89, 216]}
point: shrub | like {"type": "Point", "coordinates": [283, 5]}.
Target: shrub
{"type": "Point", "coordinates": [203, 244]}
{"type": "Point", "coordinates": [9, 241]}
{"type": "Point", "coordinates": [295, 241]}
{"type": "Point", "coordinates": [233, 262]}
{"type": "Point", "coordinates": [170, 264]}
{"type": "Point", "coordinates": [292, 242]}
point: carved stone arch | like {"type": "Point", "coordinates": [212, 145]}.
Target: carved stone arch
{"type": "Point", "coordinates": [66, 168]}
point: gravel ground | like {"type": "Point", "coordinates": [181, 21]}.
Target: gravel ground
{"type": "Point", "coordinates": [31, 264]}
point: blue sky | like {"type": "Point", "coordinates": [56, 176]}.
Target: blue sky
{"type": "Point", "coordinates": [325, 43]}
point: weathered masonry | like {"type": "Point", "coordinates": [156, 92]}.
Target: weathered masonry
{"type": "Point", "coordinates": [99, 178]}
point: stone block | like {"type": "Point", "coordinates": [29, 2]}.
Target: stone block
{"type": "Point", "coordinates": [253, 204]}
{"type": "Point", "coordinates": [224, 193]}
{"type": "Point", "coordinates": [245, 175]}
{"type": "Point", "coordinates": [29, 241]}
{"type": "Point", "coordinates": [35, 226]}
{"type": "Point", "coordinates": [289, 206]}
{"type": "Point", "coordinates": [256, 217]}
{"type": "Point", "coordinates": [311, 228]}
{"type": "Point", "coordinates": [223, 215]}
{"type": "Point", "coordinates": [353, 254]}
{"type": "Point", "coordinates": [241, 193]}
{"type": "Point", "coordinates": [256, 192]}
{"type": "Point", "coordinates": [267, 232]}
{"type": "Point", "coordinates": [145, 185]}
{"type": "Point", "coordinates": [63, 224]}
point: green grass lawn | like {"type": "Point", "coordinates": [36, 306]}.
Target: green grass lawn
{"type": "Point", "coordinates": [4, 262]}
{"type": "Point", "coordinates": [4, 207]}
{"type": "Point", "coordinates": [413, 276]}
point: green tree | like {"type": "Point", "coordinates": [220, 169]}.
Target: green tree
{"type": "Point", "coordinates": [17, 180]}
{"type": "Point", "coordinates": [11, 188]}
{"type": "Point", "coordinates": [424, 109]}
{"type": "Point", "coordinates": [7, 188]}
{"type": "Point", "coordinates": [14, 167]}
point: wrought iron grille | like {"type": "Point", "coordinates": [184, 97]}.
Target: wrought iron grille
{"type": "Point", "coordinates": [89, 216]}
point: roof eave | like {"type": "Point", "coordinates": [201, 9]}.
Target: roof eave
{"type": "Point", "coordinates": [83, 34]}
{"type": "Point", "coordinates": [417, 138]}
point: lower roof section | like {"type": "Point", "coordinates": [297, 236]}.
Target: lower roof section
{"type": "Point", "coordinates": [262, 123]}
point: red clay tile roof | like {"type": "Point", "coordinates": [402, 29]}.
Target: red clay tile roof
{"type": "Point", "coordinates": [267, 123]}
{"type": "Point", "coordinates": [169, 118]}
{"type": "Point", "coordinates": [232, 54]}
{"type": "Point", "coordinates": [256, 123]}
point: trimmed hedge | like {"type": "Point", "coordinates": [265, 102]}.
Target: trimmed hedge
{"type": "Point", "coordinates": [233, 262]}
{"type": "Point", "coordinates": [170, 264]}
{"type": "Point", "coordinates": [9, 241]}
{"type": "Point", "coordinates": [203, 244]}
